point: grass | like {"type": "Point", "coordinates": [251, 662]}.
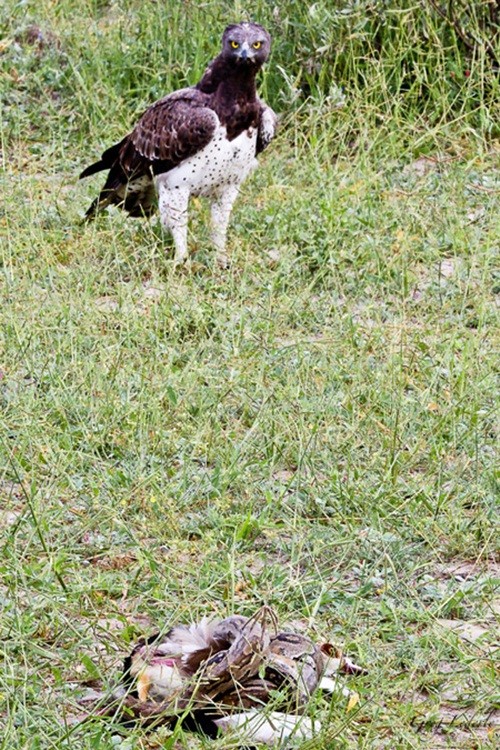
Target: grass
{"type": "Point", "coordinates": [313, 427]}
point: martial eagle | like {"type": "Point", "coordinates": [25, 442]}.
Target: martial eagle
{"type": "Point", "coordinates": [201, 140]}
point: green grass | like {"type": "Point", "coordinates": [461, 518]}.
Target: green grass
{"type": "Point", "coordinates": [314, 427]}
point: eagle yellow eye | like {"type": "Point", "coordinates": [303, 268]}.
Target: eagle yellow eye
{"type": "Point", "coordinates": [257, 45]}
{"type": "Point", "coordinates": [234, 45]}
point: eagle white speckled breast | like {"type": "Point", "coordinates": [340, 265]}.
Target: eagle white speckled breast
{"type": "Point", "coordinates": [218, 166]}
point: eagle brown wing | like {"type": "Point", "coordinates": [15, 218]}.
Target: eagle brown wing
{"type": "Point", "coordinates": [171, 130]}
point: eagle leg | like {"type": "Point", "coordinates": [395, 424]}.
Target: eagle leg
{"type": "Point", "coordinates": [220, 212]}
{"type": "Point", "coordinates": [173, 205]}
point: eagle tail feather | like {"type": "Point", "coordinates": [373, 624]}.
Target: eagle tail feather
{"type": "Point", "coordinates": [136, 196]}
{"type": "Point", "coordinates": [106, 161]}
{"type": "Point", "coordinates": [98, 166]}
{"type": "Point", "coordinates": [100, 202]}
{"type": "Point", "coordinates": [129, 184]}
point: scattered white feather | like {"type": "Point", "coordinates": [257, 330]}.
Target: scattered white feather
{"type": "Point", "coordinates": [186, 639]}
{"type": "Point", "coordinates": [331, 665]}
{"type": "Point", "coordinates": [268, 727]}
{"type": "Point", "coordinates": [330, 685]}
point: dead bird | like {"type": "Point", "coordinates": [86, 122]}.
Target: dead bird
{"type": "Point", "coordinates": [219, 675]}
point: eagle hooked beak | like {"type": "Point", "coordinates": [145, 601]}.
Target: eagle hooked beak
{"type": "Point", "coordinates": [245, 53]}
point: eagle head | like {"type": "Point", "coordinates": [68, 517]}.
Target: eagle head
{"type": "Point", "coordinates": [246, 44]}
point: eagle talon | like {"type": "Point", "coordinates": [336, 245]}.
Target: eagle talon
{"type": "Point", "coordinates": [222, 260]}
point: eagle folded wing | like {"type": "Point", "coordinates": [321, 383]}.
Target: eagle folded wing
{"type": "Point", "coordinates": [168, 132]}
{"type": "Point", "coordinates": [268, 123]}
{"type": "Point", "coordinates": [171, 130]}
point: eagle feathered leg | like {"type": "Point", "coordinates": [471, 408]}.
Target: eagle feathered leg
{"type": "Point", "coordinates": [174, 216]}
{"type": "Point", "coordinates": [220, 213]}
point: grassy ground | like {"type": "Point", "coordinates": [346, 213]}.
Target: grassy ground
{"type": "Point", "coordinates": [313, 427]}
